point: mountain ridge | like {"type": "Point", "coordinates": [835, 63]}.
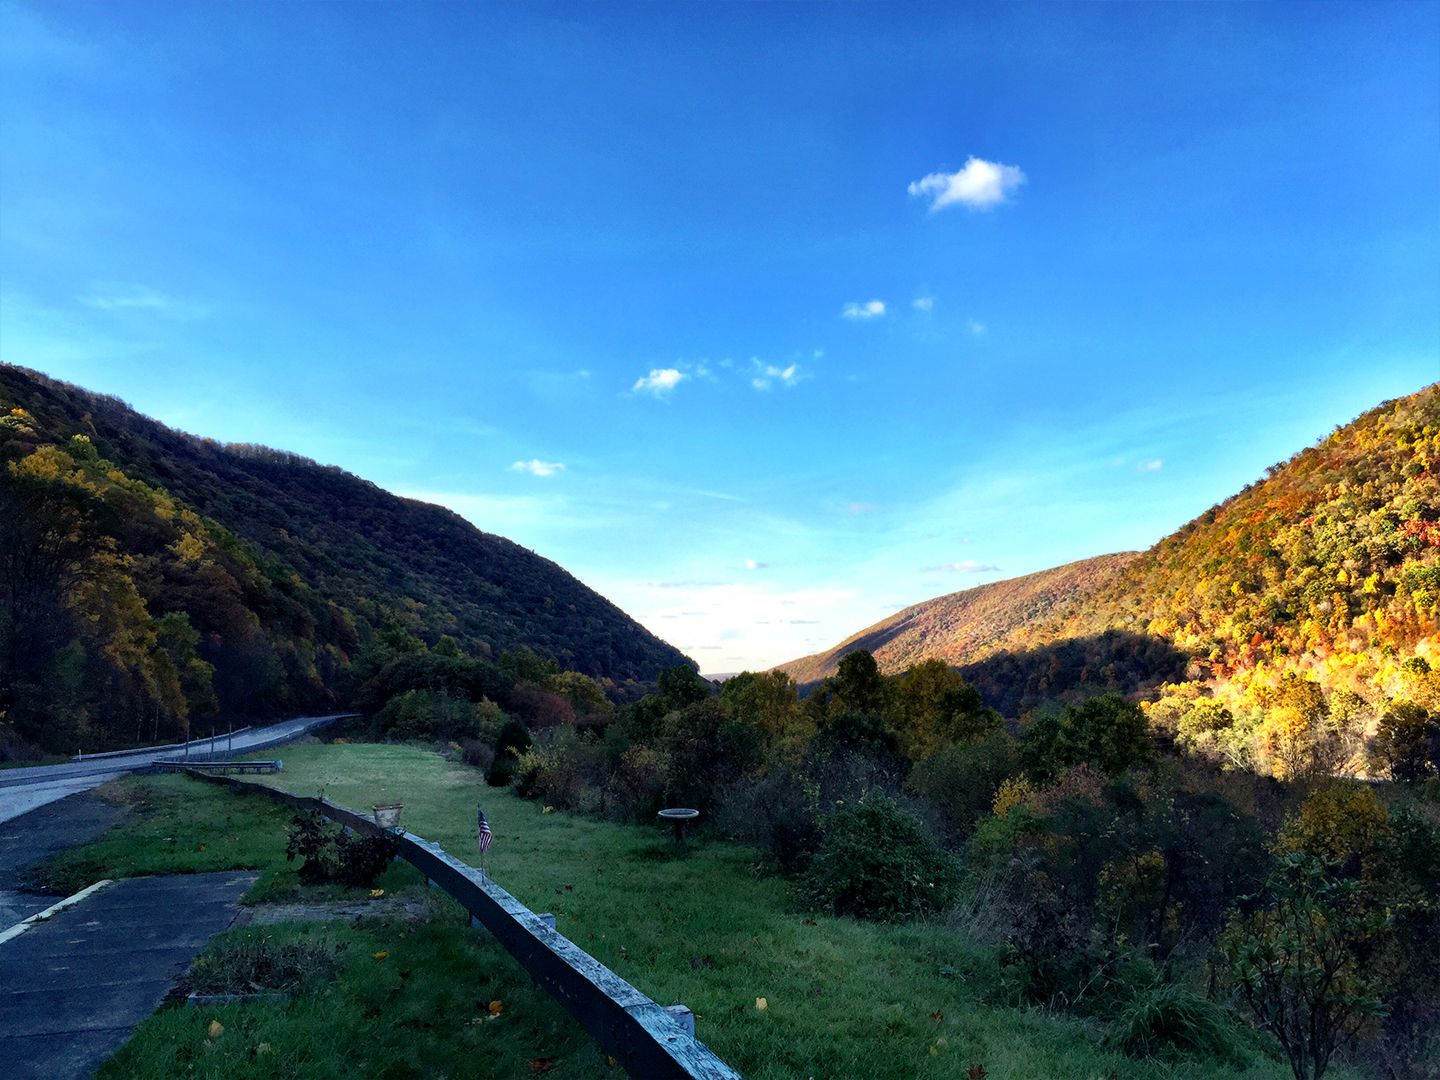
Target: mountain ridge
{"type": "Point", "coordinates": [293, 564]}
{"type": "Point", "coordinates": [1326, 568]}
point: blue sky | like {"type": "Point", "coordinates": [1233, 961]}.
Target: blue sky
{"type": "Point", "coordinates": [763, 320]}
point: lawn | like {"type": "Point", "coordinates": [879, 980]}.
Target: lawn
{"type": "Point", "coordinates": [778, 992]}
{"type": "Point", "coordinates": [708, 928]}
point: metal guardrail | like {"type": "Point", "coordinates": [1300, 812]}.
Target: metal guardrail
{"type": "Point", "coordinates": [197, 743]}
{"type": "Point", "coordinates": [212, 767]}
{"type": "Point", "coordinates": [646, 1039]}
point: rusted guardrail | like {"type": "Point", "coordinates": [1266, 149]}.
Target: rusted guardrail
{"type": "Point", "coordinates": [648, 1040]}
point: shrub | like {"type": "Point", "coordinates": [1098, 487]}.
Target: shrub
{"type": "Point", "coordinates": [557, 768]}
{"type": "Point", "coordinates": [513, 740]}
{"type": "Point", "coordinates": [778, 813]}
{"type": "Point", "coordinates": [337, 855]}
{"type": "Point", "coordinates": [477, 754]}
{"type": "Point", "coordinates": [877, 862]}
{"type": "Point", "coordinates": [637, 786]}
{"type": "Point", "coordinates": [960, 782]}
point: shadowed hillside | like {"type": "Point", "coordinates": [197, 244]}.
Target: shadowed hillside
{"type": "Point", "coordinates": [151, 572]}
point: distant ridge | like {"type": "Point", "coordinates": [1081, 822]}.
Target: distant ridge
{"type": "Point", "coordinates": [962, 627]}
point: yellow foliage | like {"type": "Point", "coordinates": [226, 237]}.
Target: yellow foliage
{"type": "Point", "coordinates": [1013, 792]}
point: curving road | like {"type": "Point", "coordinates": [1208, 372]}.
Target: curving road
{"type": "Point", "coordinates": [22, 790]}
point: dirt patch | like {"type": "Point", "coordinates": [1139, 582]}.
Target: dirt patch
{"type": "Point", "coordinates": [406, 908]}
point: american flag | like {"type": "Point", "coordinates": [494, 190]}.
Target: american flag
{"type": "Point", "coordinates": [485, 834]}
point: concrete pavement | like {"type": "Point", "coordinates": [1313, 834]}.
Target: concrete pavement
{"type": "Point", "coordinates": [72, 988]}
{"type": "Point", "coordinates": [33, 837]}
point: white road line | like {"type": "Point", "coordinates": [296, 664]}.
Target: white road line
{"type": "Point", "coordinates": [40, 916]}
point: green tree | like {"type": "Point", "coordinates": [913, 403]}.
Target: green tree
{"type": "Point", "coordinates": [857, 685]}
{"type": "Point", "coordinates": [1105, 731]}
{"type": "Point", "coordinates": [1294, 962]}
{"type": "Point", "coordinates": [1407, 742]}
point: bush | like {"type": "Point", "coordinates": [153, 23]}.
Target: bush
{"type": "Point", "coordinates": [337, 856]}
{"type": "Point", "coordinates": [477, 754]}
{"type": "Point", "coordinates": [558, 768]}
{"type": "Point", "coordinates": [779, 814]}
{"type": "Point", "coordinates": [637, 786]}
{"type": "Point", "coordinates": [960, 782]}
{"type": "Point", "coordinates": [513, 740]}
{"type": "Point", "coordinates": [877, 862]}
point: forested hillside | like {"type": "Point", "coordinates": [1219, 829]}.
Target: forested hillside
{"type": "Point", "coordinates": [151, 578]}
{"type": "Point", "coordinates": [1285, 618]}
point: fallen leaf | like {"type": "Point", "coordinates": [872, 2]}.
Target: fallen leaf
{"type": "Point", "coordinates": [541, 1065]}
{"type": "Point", "coordinates": [200, 848]}
{"type": "Point", "coordinates": [937, 1016]}
{"type": "Point", "coordinates": [496, 1008]}
{"type": "Point", "coordinates": [375, 894]}
{"type": "Point", "coordinates": [546, 810]}
{"type": "Point", "coordinates": [263, 1048]}
{"type": "Point", "coordinates": [381, 954]}
{"type": "Point", "coordinates": [216, 1029]}
{"type": "Point", "coordinates": [761, 1004]}
{"type": "Point", "coordinates": [569, 888]}
{"type": "Point", "coordinates": [611, 1061]}
{"type": "Point", "coordinates": [807, 922]}
{"type": "Point", "coordinates": [976, 1072]}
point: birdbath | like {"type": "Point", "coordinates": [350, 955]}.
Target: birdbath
{"type": "Point", "coordinates": [679, 817]}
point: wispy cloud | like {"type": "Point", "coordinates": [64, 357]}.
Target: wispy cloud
{"type": "Point", "coordinates": [768, 374]}
{"type": "Point", "coordinates": [870, 309]}
{"type": "Point", "coordinates": [536, 467]}
{"type": "Point", "coordinates": [977, 328]}
{"type": "Point", "coordinates": [966, 566]}
{"type": "Point", "coordinates": [752, 564]}
{"type": "Point", "coordinates": [659, 382]}
{"type": "Point", "coordinates": [1154, 465]}
{"type": "Point", "coordinates": [118, 297]}
{"type": "Point", "coordinates": [979, 185]}
{"type": "Point", "coordinates": [861, 507]}
{"type": "Point", "coordinates": [923, 303]}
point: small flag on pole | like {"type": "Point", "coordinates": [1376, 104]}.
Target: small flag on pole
{"type": "Point", "coordinates": [485, 834]}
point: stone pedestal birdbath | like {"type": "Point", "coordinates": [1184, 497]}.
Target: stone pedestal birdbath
{"type": "Point", "coordinates": [679, 817]}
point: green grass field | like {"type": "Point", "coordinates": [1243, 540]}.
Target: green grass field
{"type": "Point", "coordinates": [705, 926]}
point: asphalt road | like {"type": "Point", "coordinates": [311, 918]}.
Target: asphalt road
{"type": "Point", "coordinates": [22, 790]}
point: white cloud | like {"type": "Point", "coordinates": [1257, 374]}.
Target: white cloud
{"type": "Point", "coordinates": [967, 566]}
{"type": "Point", "coordinates": [871, 309]}
{"type": "Point", "coordinates": [979, 185]}
{"type": "Point", "coordinates": [122, 297]}
{"type": "Point", "coordinates": [977, 328]}
{"type": "Point", "coordinates": [923, 303]}
{"type": "Point", "coordinates": [765, 374]}
{"type": "Point", "coordinates": [861, 507]}
{"type": "Point", "coordinates": [536, 467]}
{"type": "Point", "coordinates": [659, 382]}
{"type": "Point", "coordinates": [1150, 466]}
{"type": "Point", "coordinates": [751, 564]}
